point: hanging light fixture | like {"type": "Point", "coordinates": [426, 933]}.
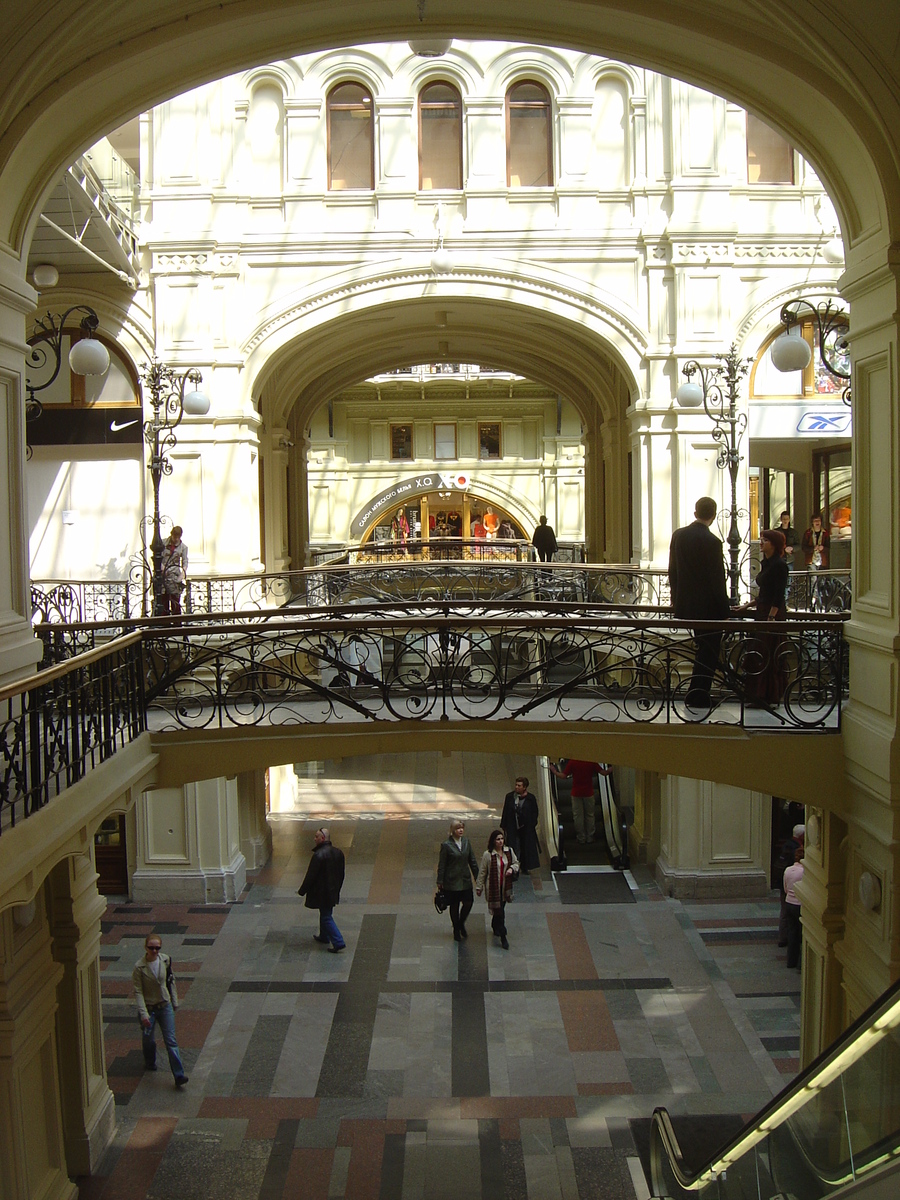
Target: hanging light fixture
{"type": "Point", "coordinates": [793, 353]}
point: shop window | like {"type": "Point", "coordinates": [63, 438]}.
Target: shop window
{"type": "Point", "coordinates": [351, 154]}
{"type": "Point", "coordinates": [489, 440]}
{"type": "Point", "coordinates": [529, 136]}
{"type": "Point", "coordinates": [401, 441]}
{"type": "Point", "coordinates": [445, 442]}
{"type": "Point", "coordinates": [770, 159]}
{"type": "Point", "coordinates": [440, 138]}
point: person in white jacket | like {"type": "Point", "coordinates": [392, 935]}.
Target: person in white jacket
{"type": "Point", "coordinates": [157, 999]}
{"type": "Point", "coordinates": [499, 868]}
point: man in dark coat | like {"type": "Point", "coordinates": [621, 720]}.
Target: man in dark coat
{"type": "Point", "coordinates": [519, 824]}
{"type": "Point", "coordinates": [322, 888]}
{"type": "Point", "coordinates": [544, 541]}
{"type": "Point", "coordinates": [697, 583]}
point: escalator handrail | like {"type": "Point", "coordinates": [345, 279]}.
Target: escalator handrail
{"type": "Point", "coordinates": [868, 1029]}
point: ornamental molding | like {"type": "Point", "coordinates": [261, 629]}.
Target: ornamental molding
{"type": "Point", "coordinates": [180, 262]}
{"type": "Point", "coordinates": [608, 312]}
{"type": "Point", "coordinates": [780, 250]}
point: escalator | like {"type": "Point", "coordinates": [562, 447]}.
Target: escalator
{"type": "Point", "coordinates": [835, 1131]}
{"type": "Point", "coordinates": [611, 837]}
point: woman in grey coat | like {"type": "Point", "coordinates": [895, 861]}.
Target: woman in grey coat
{"type": "Point", "coordinates": [457, 868]}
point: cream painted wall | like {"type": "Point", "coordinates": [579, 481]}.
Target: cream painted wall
{"type": "Point", "coordinates": [714, 840]}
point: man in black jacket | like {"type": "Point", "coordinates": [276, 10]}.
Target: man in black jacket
{"type": "Point", "coordinates": [322, 888]}
{"type": "Point", "coordinates": [697, 583]}
{"type": "Point", "coordinates": [544, 540]}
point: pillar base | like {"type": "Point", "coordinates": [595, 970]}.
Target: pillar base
{"type": "Point", "coordinates": [85, 1155]}
{"type": "Point", "coordinates": [180, 885]}
{"type": "Point", "coordinates": [709, 884]}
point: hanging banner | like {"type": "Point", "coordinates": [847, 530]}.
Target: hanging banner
{"type": "Point", "coordinates": [405, 489]}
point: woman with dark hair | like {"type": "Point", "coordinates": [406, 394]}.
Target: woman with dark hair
{"type": "Point", "coordinates": [499, 867]}
{"type": "Point", "coordinates": [764, 660]}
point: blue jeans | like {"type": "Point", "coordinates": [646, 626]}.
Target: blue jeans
{"type": "Point", "coordinates": [164, 1016]}
{"type": "Point", "coordinates": [328, 928]}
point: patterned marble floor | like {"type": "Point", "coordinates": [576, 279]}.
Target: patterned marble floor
{"type": "Point", "coordinates": [415, 1068]}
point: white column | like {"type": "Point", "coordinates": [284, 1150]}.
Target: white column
{"type": "Point", "coordinates": [714, 840]}
{"type": "Point", "coordinates": [32, 1153]}
{"type": "Point", "coordinates": [19, 651]}
{"type": "Point", "coordinates": [188, 844]}
{"type": "Point", "coordinates": [88, 1105]}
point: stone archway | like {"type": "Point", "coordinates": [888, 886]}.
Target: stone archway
{"type": "Point", "coordinates": [577, 345]}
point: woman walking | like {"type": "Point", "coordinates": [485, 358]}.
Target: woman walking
{"type": "Point", "coordinates": [456, 870]}
{"type": "Point", "coordinates": [499, 868]}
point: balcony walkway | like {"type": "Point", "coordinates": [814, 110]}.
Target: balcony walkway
{"type": "Point", "coordinates": [413, 1068]}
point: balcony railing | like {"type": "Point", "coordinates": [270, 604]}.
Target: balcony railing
{"type": "Point", "coordinates": [62, 723]}
{"type": "Point", "coordinates": [537, 660]}
{"type": "Point", "coordinates": [408, 578]}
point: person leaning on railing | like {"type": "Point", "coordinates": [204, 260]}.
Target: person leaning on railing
{"type": "Point", "coordinates": [763, 660]}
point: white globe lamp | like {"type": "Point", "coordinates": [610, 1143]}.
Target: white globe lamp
{"type": "Point", "coordinates": [442, 261]}
{"type": "Point", "coordinates": [790, 352]}
{"type": "Point", "coordinates": [89, 357]}
{"type": "Point", "coordinates": [430, 47]}
{"type": "Point", "coordinates": [689, 395]}
{"type": "Point", "coordinates": [196, 404]}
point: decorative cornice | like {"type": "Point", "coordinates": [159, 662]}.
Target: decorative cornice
{"type": "Point", "coordinates": [609, 313]}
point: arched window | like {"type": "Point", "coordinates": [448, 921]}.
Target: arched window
{"type": "Point", "coordinates": [529, 136]}
{"type": "Point", "coordinates": [770, 159]}
{"type": "Point", "coordinates": [351, 157]}
{"type": "Point", "coordinates": [440, 137]}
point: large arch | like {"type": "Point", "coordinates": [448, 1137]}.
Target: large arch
{"type": "Point", "coordinates": [827, 78]}
{"type": "Point", "coordinates": [580, 346]}
{"type": "Point", "coordinates": [70, 79]}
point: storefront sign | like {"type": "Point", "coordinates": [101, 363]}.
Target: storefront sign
{"type": "Point", "coordinates": [405, 489]}
{"type": "Point", "coordinates": [779, 421]}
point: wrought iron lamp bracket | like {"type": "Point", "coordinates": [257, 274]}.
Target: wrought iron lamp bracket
{"type": "Point", "coordinates": [831, 330]}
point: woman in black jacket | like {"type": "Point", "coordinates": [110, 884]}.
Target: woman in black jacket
{"type": "Point", "coordinates": [456, 870]}
{"type": "Point", "coordinates": [764, 661]}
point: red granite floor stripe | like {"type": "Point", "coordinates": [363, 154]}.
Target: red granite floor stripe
{"type": "Point", "coordinates": [152, 1133]}
{"type": "Point", "coordinates": [509, 1129]}
{"type": "Point", "coordinates": [605, 1089]}
{"type": "Point", "coordinates": [308, 1175]}
{"type": "Point", "coordinates": [366, 1139]}
{"type": "Point", "coordinates": [573, 955]}
{"type": "Point", "coordinates": [132, 1175]}
{"type": "Point", "coordinates": [586, 1021]}
{"type": "Point", "coordinates": [387, 872]}
{"type": "Point", "coordinates": [192, 1027]}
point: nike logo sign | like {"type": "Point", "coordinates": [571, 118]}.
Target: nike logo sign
{"type": "Point", "coordinates": [115, 426]}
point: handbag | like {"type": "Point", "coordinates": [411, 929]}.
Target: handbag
{"type": "Point", "coordinates": [441, 902]}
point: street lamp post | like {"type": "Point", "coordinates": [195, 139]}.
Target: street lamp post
{"type": "Point", "coordinates": [169, 400]}
{"type": "Point", "coordinates": [717, 392]}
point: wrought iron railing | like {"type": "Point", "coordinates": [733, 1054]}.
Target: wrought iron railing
{"type": "Point", "coordinates": [81, 601]}
{"type": "Point", "coordinates": [550, 664]}
{"type": "Point", "coordinates": [532, 659]}
{"type": "Point", "coordinates": [64, 722]}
